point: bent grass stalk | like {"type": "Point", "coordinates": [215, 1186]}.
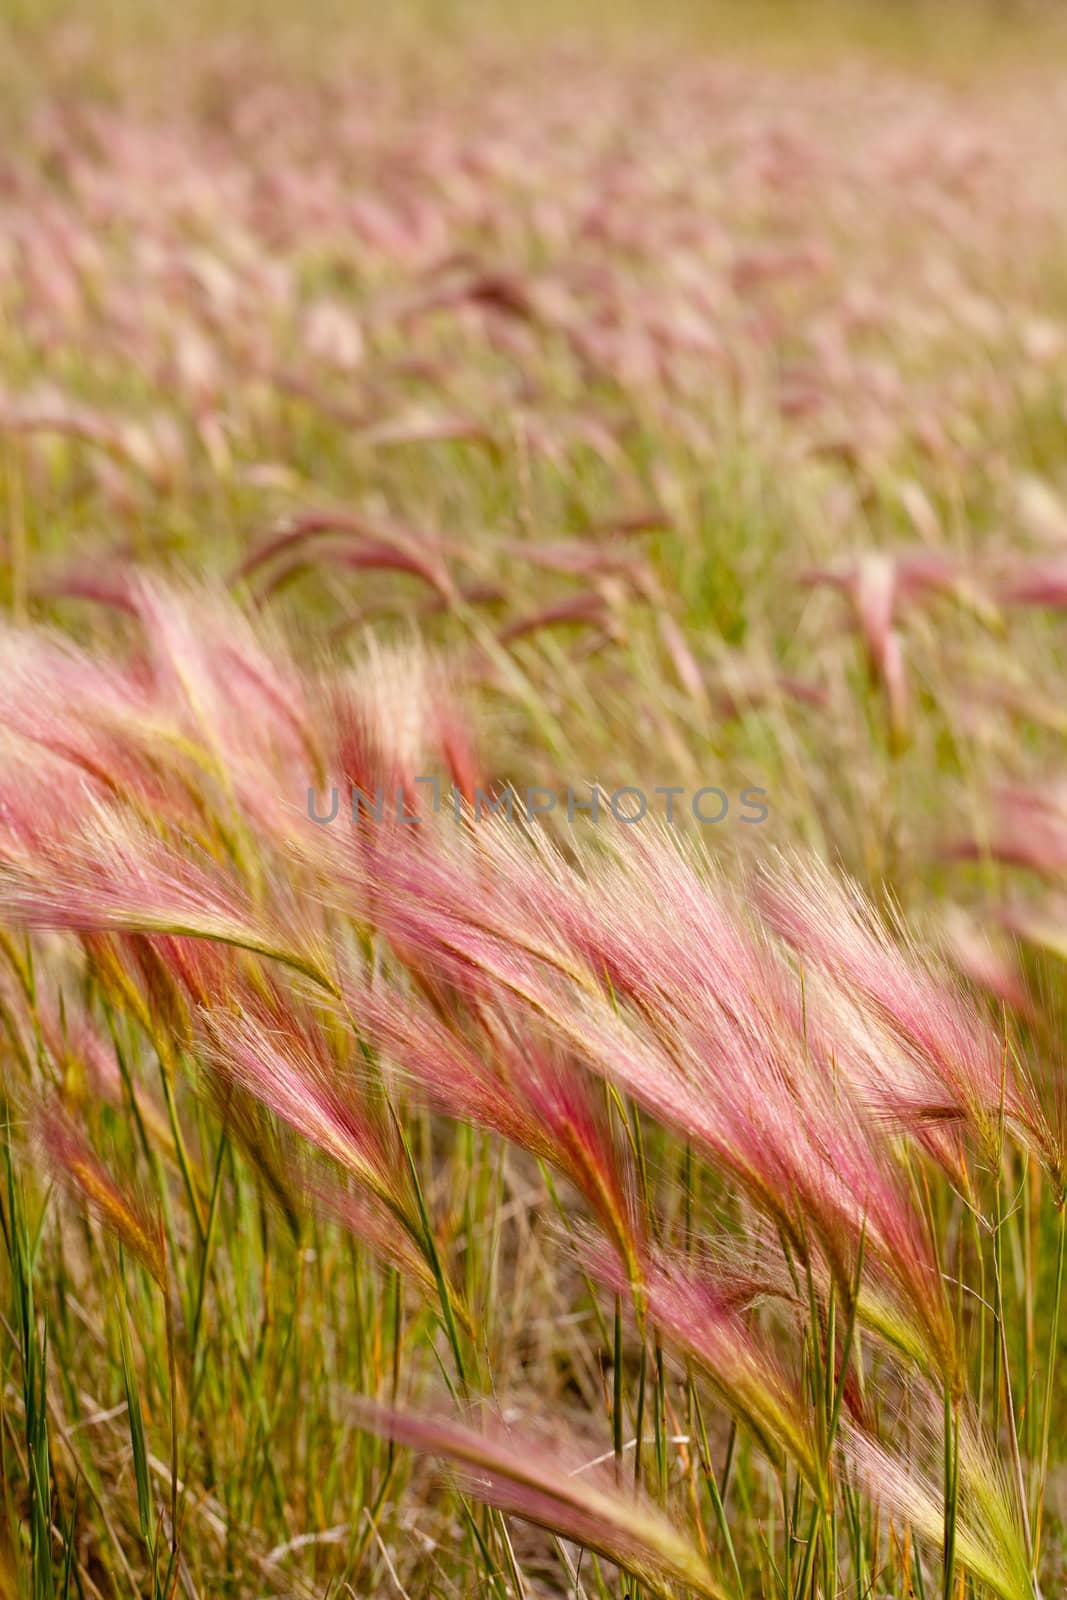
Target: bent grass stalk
{"type": "Point", "coordinates": [708, 1068]}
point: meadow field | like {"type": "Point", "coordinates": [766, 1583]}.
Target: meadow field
{"type": "Point", "coordinates": [533, 800]}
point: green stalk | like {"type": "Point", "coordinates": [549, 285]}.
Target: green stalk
{"type": "Point", "coordinates": [812, 1542]}
{"type": "Point", "coordinates": [659, 1397]}
{"type": "Point", "coordinates": [367, 1523]}
{"type": "Point", "coordinates": [948, 1550]}
{"type": "Point", "coordinates": [639, 1425]}
{"type": "Point", "coordinates": [172, 1379]}
{"type": "Point", "coordinates": [616, 1380]}
{"type": "Point", "coordinates": [1013, 1430]}
{"type": "Point", "coordinates": [980, 1254]}
{"type": "Point", "coordinates": [135, 1419]}
{"type": "Point", "coordinates": [1028, 1384]}
{"type": "Point", "coordinates": [714, 1492]}
{"type": "Point", "coordinates": [205, 1264]}
{"type": "Point", "coordinates": [34, 1358]}
{"type": "Point", "coordinates": [68, 1560]}
{"type": "Point", "coordinates": [825, 1401]}
{"type": "Point", "coordinates": [728, 1460]}
{"type": "Point", "coordinates": [433, 1255]}
{"type": "Point", "coordinates": [184, 1164]}
{"type": "Point", "coordinates": [1050, 1372]}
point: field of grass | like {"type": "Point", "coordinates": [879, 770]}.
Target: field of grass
{"type": "Point", "coordinates": [533, 801]}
